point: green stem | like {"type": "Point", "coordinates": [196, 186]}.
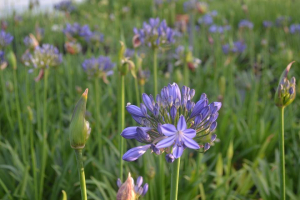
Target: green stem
{"type": "Point", "coordinates": [5, 101]}
{"type": "Point", "coordinates": [58, 96]}
{"type": "Point", "coordinates": [44, 143]}
{"type": "Point", "coordinates": [282, 160]}
{"type": "Point", "coordinates": [162, 177]}
{"type": "Point", "coordinates": [175, 179]}
{"type": "Point", "coordinates": [121, 123]}
{"type": "Point", "coordinates": [155, 71]}
{"type": "Point", "coordinates": [186, 74]}
{"type": "Point", "coordinates": [21, 130]}
{"type": "Point", "coordinates": [37, 101]}
{"type": "Point", "coordinates": [97, 114]}
{"type": "Point", "coordinates": [81, 173]}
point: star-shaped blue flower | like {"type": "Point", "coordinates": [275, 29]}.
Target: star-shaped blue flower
{"type": "Point", "coordinates": [180, 137]}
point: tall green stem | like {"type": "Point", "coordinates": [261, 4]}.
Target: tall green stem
{"type": "Point", "coordinates": [21, 130]}
{"type": "Point", "coordinates": [5, 101]}
{"type": "Point", "coordinates": [97, 114]}
{"type": "Point", "coordinates": [58, 96]}
{"type": "Point", "coordinates": [282, 160]}
{"type": "Point", "coordinates": [81, 173]}
{"type": "Point", "coordinates": [162, 177]}
{"type": "Point", "coordinates": [186, 74]}
{"type": "Point", "coordinates": [44, 144]}
{"type": "Point", "coordinates": [121, 120]}
{"type": "Point", "coordinates": [155, 71]}
{"type": "Point", "coordinates": [175, 179]}
{"type": "Point", "coordinates": [37, 101]}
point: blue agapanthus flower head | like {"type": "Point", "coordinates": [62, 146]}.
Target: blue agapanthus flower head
{"type": "Point", "coordinates": [5, 39]}
{"type": "Point", "coordinates": [245, 24]}
{"type": "Point", "coordinates": [267, 24]}
{"type": "Point", "coordinates": [46, 56]}
{"type": "Point", "coordinates": [65, 5]}
{"type": "Point", "coordinates": [207, 19]}
{"type": "Point", "coordinates": [295, 28]}
{"type": "Point", "coordinates": [218, 29]}
{"type": "Point", "coordinates": [155, 33]}
{"type": "Point", "coordinates": [76, 31]}
{"type": "Point", "coordinates": [172, 122]}
{"type": "Point", "coordinates": [237, 47]}
{"type": "Point", "coordinates": [98, 67]}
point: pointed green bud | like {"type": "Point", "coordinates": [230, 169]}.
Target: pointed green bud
{"type": "Point", "coordinates": [79, 127]}
{"type": "Point", "coordinates": [12, 61]}
{"type": "Point", "coordinates": [286, 90]}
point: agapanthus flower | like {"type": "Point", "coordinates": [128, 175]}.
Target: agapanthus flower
{"type": "Point", "coordinates": [195, 5]}
{"type": "Point", "coordinates": [207, 19]}
{"type": "Point", "coordinates": [5, 39]}
{"type": "Point", "coordinates": [295, 28]}
{"type": "Point", "coordinates": [73, 47]}
{"type": "Point", "coordinates": [218, 29]}
{"type": "Point", "coordinates": [46, 56]}
{"type": "Point", "coordinates": [30, 41]}
{"type": "Point", "coordinates": [172, 123]}
{"type": "Point", "coordinates": [65, 5]}
{"type": "Point", "coordinates": [76, 31]}
{"type": "Point", "coordinates": [98, 67]}
{"type": "Point", "coordinates": [156, 33]}
{"type": "Point", "coordinates": [282, 20]}
{"type": "Point", "coordinates": [267, 24]}
{"type": "Point", "coordinates": [245, 24]}
{"type": "Point", "coordinates": [237, 47]}
{"type": "Point", "coordinates": [130, 191]}
{"type": "Point", "coordinates": [95, 37]}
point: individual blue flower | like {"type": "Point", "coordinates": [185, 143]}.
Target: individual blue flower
{"type": "Point", "coordinates": [295, 28]}
{"type": "Point", "coordinates": [98, 67]}
{"type": "Point", "coordinates": [158, 117]}
{"type": "Point", "coordinates": [180, 137]}
{"type": "Point", "coordinates": [5, 39]}
{"type": "Point", "coordinates": [267, 24]}
{"type": "Point", "coordinates": [245, 24]}
{"type": "Point", "coordinates": [154, 34]}
{"type": "Point", "coordinates": [46, 56]}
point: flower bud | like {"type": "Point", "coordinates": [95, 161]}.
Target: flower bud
{"type": "Point", "coordinates": [126, 191]}
{"type": "Point", "coordinates": [286, 90]}
{"type": "Point", "coordinates": [79, 127]}
{"type": "Point", "coordinates": [12, 61]}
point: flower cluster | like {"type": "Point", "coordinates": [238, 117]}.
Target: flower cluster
{"type": "Point", "coordinates": [5, 39]}
{"type": "Point", "coordinates": [155, 34]}
{"type": "Point", "coordinates": [195, 123]}
{"type": "Point", "coordinates": [195, 6]}
{"type": "Point", "coordinates": [130, 191]}
{"type": "Point", "coordinates": [65, 5]}
{"type": "Point", "coordinates": [45, 56]}
{"type": "Point", "coordinates": [238, 47]}
{"type": "Point", "coordinates": [282, 20]}
{"type": "Point", "coordinates": [245, 24]}
{"type": "Point", "coordinates": [77, 31]}
{"type": "Point", "coordinates": [219, 29]}
{"type": "Point", "coordinates": [30, 42]}
{"type": "Point", "coordinates": [207, 19]}
{"type": "Point", "coordinates": [98, 67]}
{"type": "Point", "coordinates": [295, 28]}
{"type": "Point", "coordinates": [267, 24]}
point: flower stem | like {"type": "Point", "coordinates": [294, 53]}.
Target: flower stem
{"type": "Point", "coordinates": [121, 103]}
{"type": "Point", "coordinates": [162, 177]}
{"type": "Point", "coordinates": [281, 151]}
{"type": "Point", "coordinates": [186, 74]}
{"type": "Point", "coordinates": [175, 179]}
{"type": "Point", "coordinates": [44, 143]}
{"type": "Point", "coordinates": [97, 114]}
{"type": "Point", "coordinates": [81, 173]}
{"type": "Point", "coordinates": [155, 71]}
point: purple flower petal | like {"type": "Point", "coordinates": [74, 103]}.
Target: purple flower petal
{"type": "Point", "coordinates": [166, 142]}
{"type": "Point", "coordinates": [181, 125]}
{"type": "Point", "coordinates": [177, 151]}
{"type": "Point", "coordinates": [190, 133]}
{"type": "Point", "coordinates": [129, 133]}
{"type": "Point", "coordinates": [134, 110]}
{"type": "Point", "coordinates": [135, 153]}
{"type": "Point", "coordinates": [148, 102]}
{"type": "Point", "coordinates": [190, 143]}
{"type": "Point", "coordinates": [168, 129]}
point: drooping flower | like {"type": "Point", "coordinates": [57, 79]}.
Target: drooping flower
{"type": "Point", "coordinates": [98, 67]}
{"type": "Point", "coordinates": [156, 33]}
{"type": "Point", "coordinates": [195, 122]}
{"type": "Point", "coordinates": [46, 56]}
{"type": "Point", "coordinates": [5, 39]}
{"type": "Point", "coordinates": [130, 191]}
{"type": "Point", "coordinates": [245, 24]}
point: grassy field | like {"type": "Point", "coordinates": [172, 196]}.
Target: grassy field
{"type": "Point", "coordinates": [243, 162]}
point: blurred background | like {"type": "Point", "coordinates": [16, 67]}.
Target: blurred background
{"type": "Point", "coordinates": [237, 50]}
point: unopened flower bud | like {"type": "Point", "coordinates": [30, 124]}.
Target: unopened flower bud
{"type": "Point", "coordinates": [286, 90]}
{"type": "Point", "coordinates": [79, 127]}
{"type": "Point", "coordinates": [126, 191]}
{"type": "Point", "coordinates": [11, 59]}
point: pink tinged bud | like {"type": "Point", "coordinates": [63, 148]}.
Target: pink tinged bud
{"type": "Point", "coordinates": [126, 191]}
{"type": "Point", "coordinates": [136, 41]}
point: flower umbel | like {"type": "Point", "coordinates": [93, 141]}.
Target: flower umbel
{"type": "Point", "coordinates": [195, 123]}
{"type": "Point", "coordinates": [46, 56]}
{"type": "Point", "coordinates": [5, 39]}
{"type": "Point", "coordinates": [286, 90]}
